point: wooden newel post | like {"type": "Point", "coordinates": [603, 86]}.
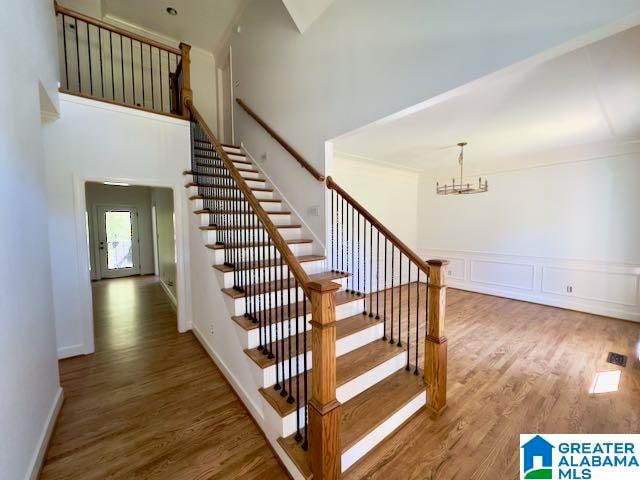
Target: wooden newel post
{"type": "Point", "coordinates": [186, 93]}
{"type": "Point", "coordinates": [324, 408]}
{"type": "Point", "coordinates": [435, 344]}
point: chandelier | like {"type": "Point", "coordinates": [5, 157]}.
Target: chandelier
{"type": "Point", "coordinates": [462, 188]}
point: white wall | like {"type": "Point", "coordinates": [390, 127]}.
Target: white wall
{"type": "Point", "coordinates": [540, 230]}
{"type": "Point", "coordinates": [390, 194]}
{"type": "Point", "coordinates": [94, 141]}
{"type": "Point", "coordinates": [365, 59]}
{"type": "Point", "coordinates": [162, 200]}
{"type": "Point", "coordinates": [30, 395]}
{"type": "Point", "coordinates": [98, 194]}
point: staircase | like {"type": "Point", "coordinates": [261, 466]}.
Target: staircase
{"type": "Point", "coordinates": [276, 279]}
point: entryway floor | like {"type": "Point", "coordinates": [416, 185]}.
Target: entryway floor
{"type": "Point", "coordinates": [150, 403]}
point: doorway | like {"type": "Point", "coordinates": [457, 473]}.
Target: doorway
{"type": "Point", "coordinates": [119, 244]}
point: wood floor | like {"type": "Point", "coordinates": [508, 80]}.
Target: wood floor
{"type": "Point", "coordinates": [514, 367]}
{"type": "Point", "coordinates": [150, 403]}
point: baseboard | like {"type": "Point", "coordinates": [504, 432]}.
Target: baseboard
{"type": "Point", "coordinates": [606, 289]}
{"type": "Point", "coordinates": [41, 449]}
{"type": "Point", "coordinates": [71, 351]}
{"type": "Point", "coordinates": [250, 407]}
{"type": "Point", "coordinates": [169, 293]}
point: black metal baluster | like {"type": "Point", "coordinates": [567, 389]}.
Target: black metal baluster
{"type": "Point", "coordinates": [393, 257]}
{"type": "Point", "coordinates": [408, 313]}
{"type": "Point", "coordinates": [113, 84]}
{"type": "Point", "coordinates": [298, 436]}
{"type": "Point", "coordinates": [133, 76]}
{"type": "Point", "coordinates": [101, 71]}
{"type": "Point", "coordinates": [378, 276]}
{"type": "Point", "coordinates": [268, 299]}
{"type": "Point", "coordinates": [400, 305]}
{"type": "Point", "coordinates": [370, 270]}
{"type": "Point", "coordinates": [161, 81]}
{"type": "Point", "coordinates": [349, 257]}
{"type": "Point", "coordinates": [122, 69]}
{"type": "Point", "coordinates": [297, 352]}
{"type": "Point", "coordinates": [415, 371]}
{"type": "Point", "coordinates": [64, 43]}
{"type": "Point", "coordinates": [342, 240]}
{"type": "Point", "coordinates": [279, 359]}
{"type": "Point", "coordinates": [144, 102]}
{"type": "Point", "coordinates": [333, 265]}
{"type": "Point", "coordinates": [89, 52]}
{"type": "Point", "coordinates": [296, 322]}
{"type": "Point", "coordinates": [263, 332]}
{"type": "Point", "coordinates": [386, 291]}
{"type": "Point", "coordinates": [282, 315]}
{"type": "Point", "coordinates": [357, 254]}
{"type": "Point", "coordinates": [253, 265]}
{"type": "Point", "coordinates": [153, 96]}
{"type": "Point", "coordinates": [305, 444]}
{"type": "Point", "coordinates": [75, 20]}
{"type": "Point", "coordinates": [353, 246]}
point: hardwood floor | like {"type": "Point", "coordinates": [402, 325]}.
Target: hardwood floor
{"type": "Point", "coordinates": [514, 367]}
{"type": "Point", "coordinates": [150, 403]}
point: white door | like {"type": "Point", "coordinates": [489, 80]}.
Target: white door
{"type": "Point", "coordinates": [118, 247]}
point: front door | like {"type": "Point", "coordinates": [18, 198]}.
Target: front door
{"type": "Point", "coordinates": [118, 247]}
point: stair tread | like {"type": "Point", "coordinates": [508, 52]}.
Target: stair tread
{"type": "Point", "coordinates": [277, 314]}
{"type": "Point", "coordinates": [348, 366]}
{"type": "Point", "coordinates": [214, 175]}
{"type": "Point", "coordinates": [238, 212]}
{"type": "Point", "coordinates": [230, 199]}
{"type": "Point", "coordinates": [268, 263]}
{"type": "Point", "coordinates": [215, 227]}
{"type": "Point", "coordinates": [363, 413]}
{"type": "Point", "coordinates": [344, 328]}
{"type": "Point", "coordinates": [275, 284]}
{"type": "Point", "coordinates": [297, 241]}
{"type": "Point", "coordinates": [255, 189]}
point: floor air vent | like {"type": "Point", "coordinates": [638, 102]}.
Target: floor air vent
{"type": "Point", "coordinates": [617, 359]}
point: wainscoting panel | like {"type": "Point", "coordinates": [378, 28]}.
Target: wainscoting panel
{"type": "Point", "coordinates": [503, 274]}
{"type": "Point", "coordinates": [594, 287]}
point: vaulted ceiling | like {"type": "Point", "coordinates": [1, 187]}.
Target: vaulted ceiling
{"type": "Point", "coordinates": [579, 105]}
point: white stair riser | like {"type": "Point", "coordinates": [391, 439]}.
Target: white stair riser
{"type": "Point", "coordinates": [342, 311]}
{"type": "Point", "coordinates": [237, 305]}
{"type": "Point", "coordinates": [193, 190]}
{"type": "Point", "coordinates": [211, 236]}
{"type": "Point", "coordinates": [382, 431]}
{"type": "Point", "coordinates": [285, 426]}
{"type": "Point", "coordinates": [316, 266]}
{"type": "Point", "coordinates": [243, 253]}
{"type": "Point", "coordinates": [230, 205]}
{"type": "Point", "coordinates": [343, 345]}
{"type": "Point", "coordinates": [276, 219]}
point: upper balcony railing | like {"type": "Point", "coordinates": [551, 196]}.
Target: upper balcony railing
{"type": "Point", "coordinates": [98, 60]}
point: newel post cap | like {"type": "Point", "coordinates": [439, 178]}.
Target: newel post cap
{"type": "Point", "coordinates": [324, 287]}
{"type": "Point", "coordinates": [434, 262]}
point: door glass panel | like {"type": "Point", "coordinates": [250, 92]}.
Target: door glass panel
{"type": "Point", "coordinates": [119, 240]}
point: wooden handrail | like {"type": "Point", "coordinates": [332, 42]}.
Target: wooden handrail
{"type": "Point", "coordinates": [282, 246]}
{"type": "Point", "coordinates": [317, 175]}
{"type": "Point", "coordinates": [119, 31]}
{"type": "Point", "coordinates": [400, 245]}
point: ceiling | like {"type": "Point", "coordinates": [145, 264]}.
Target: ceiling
{"type": "Point", "coordinates": [202, 24]}
{"type": "Point", "coordinates": [581, 104]}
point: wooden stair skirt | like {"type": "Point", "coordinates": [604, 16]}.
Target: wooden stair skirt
{"type": "Point", "coordinates": [359, 387]}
